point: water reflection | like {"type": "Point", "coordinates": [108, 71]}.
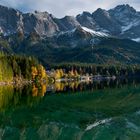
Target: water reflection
{"type": "Point", "coordinates": [39, 89]}
{"type": "Point", "coordinates": [30, 95]}
{"type": "Point", "coordinates": [69, 87]}
{"type": "Point", "coordinates": [13, 96]}
{"type": "Point", "coordinates": [36, 112]}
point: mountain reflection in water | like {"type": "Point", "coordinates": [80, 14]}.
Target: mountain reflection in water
{"type": "Point", "coordinates": [105, 110]}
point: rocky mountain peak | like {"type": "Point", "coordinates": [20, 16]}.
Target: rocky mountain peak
{"type": "Point", "coordinates": [101, 12]}
{"type": "Point", "coordinates": [124, 14]}
{"type": "Point", "coordinates": [105, 21]}
{"type": "Point", "coordinates": [86, 20]}
{"type": "Point", "coordinates": [125, 8]}
{"type": "Point", "coordinates": [10, 20]}
{"type": "Point", "coordinates": [85, 13]}
{"type": "Point", "coordinates": [66, 23]}
{"type": "Point", "coordinates": [70, 20]}
{"type": "Point", "coordinates": [121, 21]}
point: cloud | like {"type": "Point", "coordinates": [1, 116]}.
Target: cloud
{"type": "Point", "coordinates": [60, 8]}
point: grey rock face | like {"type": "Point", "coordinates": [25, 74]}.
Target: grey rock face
{"type": "Point", "coordinates": [77, 37]}
{"type": "Point", "coordinates": [105, 21]}
{"type": "Point", "coordinates": [40, 22]}
{"type": "Point", "coordinates": [10, 20]}
{"type": "Point", "coordinates": [86, 20]}
{"type": "Point", "coordinates": [124, 14]}
{"type": "Point", "coordinates": [122, 21]}
{"type": "Point", "coordinates": [67, 23]}
{"type": "Point", "coordinates": [129, 20]}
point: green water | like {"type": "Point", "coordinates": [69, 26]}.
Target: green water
{"type": "Point", "coordinates": [72, 111]}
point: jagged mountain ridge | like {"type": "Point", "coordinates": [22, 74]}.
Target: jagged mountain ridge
{"type": "Point", "coordinates": [122, 21]}
{"type": "Point", "coordinates": [101, 37]}
{"type": "Point", "coordinates": [79, 45]}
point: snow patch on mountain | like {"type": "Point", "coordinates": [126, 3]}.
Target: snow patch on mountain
{"type": "Point", "coordinates": [125, 28]}
{"type": "Point", "coordinates": [70, 32]}
{"type": "Point", "coordinates": [130, 25]}
{"type": "Point", "coordinates": [1, 30]}
{"type": "Point", "coordinates": [136, 39]}
{"type": "Point", "coordinates": [101, 34]}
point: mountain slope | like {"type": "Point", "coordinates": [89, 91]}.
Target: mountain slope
{"type": "Point", "coordinates": [101, 37]}
{"type": "Point", "coordinates": [123, 21]}
{"type": "Point", "coordinates": [107, 51]}
{"type": "Point", "coordinates": [129, 19]}
{"type": "Point", "coordinates": [78, 46]}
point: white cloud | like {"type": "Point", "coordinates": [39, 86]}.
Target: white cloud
{"type": "Point", "coordinates": [66, 7]}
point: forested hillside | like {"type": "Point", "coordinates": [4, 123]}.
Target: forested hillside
{"type": "Point", "coordinates": [13, 67]}
{"type": "Point", "coordinates": [48, 50]}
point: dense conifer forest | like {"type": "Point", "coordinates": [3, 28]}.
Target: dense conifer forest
{"type": "Point", "coordinates": [75, 69]}
{"type": "Point", "coordinates": [13, 67]}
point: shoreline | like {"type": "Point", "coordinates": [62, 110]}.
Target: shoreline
{"type": "Point", "coordinates": [20, 82]}
{"type": "Point", "coordinates": [14, 82]}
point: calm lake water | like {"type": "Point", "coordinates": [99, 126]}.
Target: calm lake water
{"type": "Point", "coordinates": [107, 110]}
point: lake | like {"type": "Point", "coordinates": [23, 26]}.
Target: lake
{"type": "Point", "coordinates": [101, 110]}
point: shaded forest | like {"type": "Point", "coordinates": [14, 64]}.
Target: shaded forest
{"type": "Point", "coordinates": [14, 67]}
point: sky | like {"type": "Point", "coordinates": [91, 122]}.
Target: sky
{"type": "Point", "coordinates": [60, 8]}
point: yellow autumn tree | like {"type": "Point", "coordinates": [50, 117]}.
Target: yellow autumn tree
{"type": "Point", "coordinates": [34, 91]}
{"type": "Point", "coordinates": [71, 73]}
{"type": "Point", "coordinates": [42, 72]}
{"type": "Point", "coordinates": [34, 72]}
{"type": "Point", "coordinates": [43, 89]}
{"type": "Point", "coordinates": [57, 74]}
{"type": "Point", "coordinates": [61, 73]}
{"type": "Point", "coordinates": [76, 73]}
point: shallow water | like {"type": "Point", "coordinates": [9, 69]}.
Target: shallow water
{"type": "Point", "coordinates": [107, 110]}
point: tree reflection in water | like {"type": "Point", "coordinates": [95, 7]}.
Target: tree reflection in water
{"type": "Point", "coordinates": [30, 95]}
{"type": "Point", "coordinates": [28, 112]}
